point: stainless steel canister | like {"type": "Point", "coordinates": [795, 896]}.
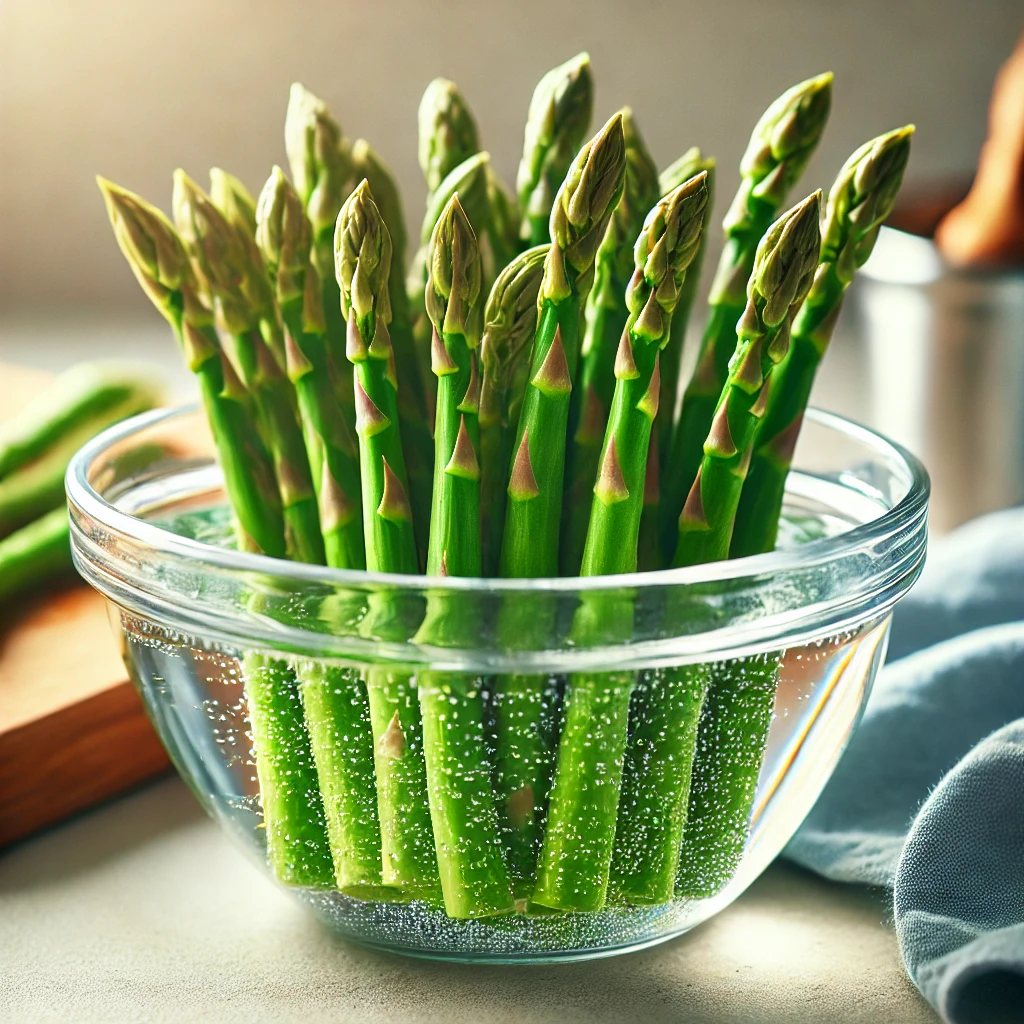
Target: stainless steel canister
{"type": "Point", "coordinates": [946, 372]}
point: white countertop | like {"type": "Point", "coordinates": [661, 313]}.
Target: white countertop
{"type": "Point", "coordinates": [142, 911]}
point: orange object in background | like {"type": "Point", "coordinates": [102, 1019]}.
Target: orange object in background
{"type": "Point", "coordinates": [987, 228]}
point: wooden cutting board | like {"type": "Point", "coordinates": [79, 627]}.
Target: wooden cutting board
{"type": "Point", "coordinates": [73, 731]}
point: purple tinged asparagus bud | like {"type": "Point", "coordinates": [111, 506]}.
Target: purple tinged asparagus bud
{"type": "Point", "coordinates": [318, 155]}
{"type": "Point", "coordinates": [583, 206]}
{"type": "Point", "coordinates": [454, 276]}
{"type": "Point", "coordinates": [362, 260]}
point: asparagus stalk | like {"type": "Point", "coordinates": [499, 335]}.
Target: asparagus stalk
{"type": "Point", "coordinates": [734, 723]}
{"type": "Point", "coordinates": [297, 844]}
{"type": "Point", "coordinates": [363, 264]}
{"type": "Point", "coordinates": [320, 159]}
{"type": "Point", "coordinates": [510, 319]}
{"type": "Point", "coordinates": [649, 554]}
{"type": "Point", "coordinates": [523, 707]}
{"type": "Point", "coordinates": [690, 163]}
{"type": "Point", "coordinates": [469, 181]}
{"type": "Point", "coordinates": [229, 262]}
{"type": "Point", "coordinates": [80, 403]}
{"type": "Point", "coordinates": [447, 132]}
{"type": "Point", "coordinates": [334, 700]}
{"type": "Point", "coordinates": [233, 199]}
{"type": "Point", "coordinates": [35, 554]}
{"type": "Point", "coordinates": [556, 125]}
{"type": "Point", "coordinates": [606, 316]}
{"type": "Point", "coordinates": [780, 146]}
{"type": "Point", "coordinates": [575, 859]}
{"type": "Point", "coordinates": [589, 194]}
{"type": "Point", "coordinates": [783, 270]}
{"type": "Point", "coordinates": [412, 401]}
{"type": "Point", "coordinates": [283, 234]}
{"type": "Point", "coordinates": [860, 200]}
{"type": "Point", "coordinates": [474, 881]}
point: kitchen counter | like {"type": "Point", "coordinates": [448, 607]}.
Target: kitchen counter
{"type": "Point", "coordinates": [142, 911]}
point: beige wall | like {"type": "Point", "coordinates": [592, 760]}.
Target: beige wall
{"type": "Point", "coordinates": [133, 89]}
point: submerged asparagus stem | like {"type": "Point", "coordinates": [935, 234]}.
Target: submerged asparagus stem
{"type": "Point", "coordinates": [473, 876]}
{"type": "Point", "coordinates": [363, 265]}
{"type": "Point", "coordinates": [297, 846]}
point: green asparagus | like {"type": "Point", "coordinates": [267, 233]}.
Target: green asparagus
{"type": "Point", "coordinates": [233, 199]}
{"type": "Point", "coordinates": [80, 403]}
{"type": "Point", "coordinates": [35, 554]}
{"type": "Point", "coordinates": [583, 207]}
{"type": "Point", "coordinates": [575, 859]}
{"type": "Point", "coordinates": [734, 723]}
{"type": "Point", "coordinates": [320, 159]}
{"type": "Point", "coordinates": [606, 316]}
{"type": "Point", "coordinates": [363, 264]}
{"type": "Point", "coordinates": [228, 261]}
{"type": "Point", "coordinates": [297, 845]}
{"type": "Point", "coordinates": [557, 123]}
{"type": "Point", "coordinates": [447, 132]}
{"type": "Point", "coordinates": [860, 200]}
{"type": "Point", "coordinates": [780, 146]}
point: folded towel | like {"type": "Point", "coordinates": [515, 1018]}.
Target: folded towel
{"type": "Point", "coordinates": [937, 723]}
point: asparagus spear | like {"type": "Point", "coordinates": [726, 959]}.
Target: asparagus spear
{"type": "Point", "coordinates": [734, 723]}
{"type": "Point", "coordinates": [80, 403]}
{"type": "Point", "coordinates": [35, 554]}
{"type": "Point", "coordinates": [523, 706]}
{"type": "Point", "coordinates": [412, 402]}
{"type": "Point", "coordinates": [780, 146]}
{"type": "Point", "coordinates": [585, 202]}
{"type": "Point", "coordinates": [606, 316]}
{"type": "Point", "coordinates": [297, 845]}
{"type": "Point", "coordinates": [473, 876]}
{"type": "Point", "coordinates": [469, 180]}
{"type": "Point", "coordinates": [575, 858]}
{"type": "Point", "coordinates": [783, 270]}
{"type": "Point", "coordinates": [860, 200]}
{"type": "Point", "coordinates": [363, 265]}
{"type": "Point", "coordinates": [320, 159]}
{"type": "Point", "coordinates": [510, 319]}
{"type": "Point", "coordinates": [233, 199]}
{"type": "Point", "coordinates": [283, 234]}
{"type": "Point", "coordinates": [229, 261]}
{"type": "Point", "coordinates": [690, 163]}
{"type": "Point", "coordinates": [649, 554]}
{"type": "Point", "coordinates": [334, 700]}
{"type": "Point", "coordinates": [447, 132]}
{"type": "Point", "coordinates": [556, 125]}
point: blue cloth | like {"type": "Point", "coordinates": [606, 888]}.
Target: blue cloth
{"type": "Point", "coordinates": [929, 796]}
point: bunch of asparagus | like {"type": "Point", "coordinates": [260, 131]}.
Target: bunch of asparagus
{"type": "Point", "coordinates": [510, 403]}
{"type": "Point", "coordinates": [36, 446]}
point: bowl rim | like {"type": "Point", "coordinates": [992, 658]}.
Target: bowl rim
{"type": "Point", "coordinates": [84, 499]}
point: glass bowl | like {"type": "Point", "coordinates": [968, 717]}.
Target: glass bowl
{"type": "Point", "coordinates": [503, 770]}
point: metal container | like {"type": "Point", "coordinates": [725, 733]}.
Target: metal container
{"type": "Point", "coordinates": [946, 372]}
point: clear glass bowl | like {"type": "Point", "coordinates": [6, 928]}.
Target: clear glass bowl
{"type": "Point", "coordinates": [340, 724]}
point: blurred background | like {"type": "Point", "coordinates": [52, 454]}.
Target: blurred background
{"type": "Point", "coordinates": [134, 89]}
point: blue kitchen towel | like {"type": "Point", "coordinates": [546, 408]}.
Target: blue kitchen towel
{"type": "Point", "coordinates": [929, 796]}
